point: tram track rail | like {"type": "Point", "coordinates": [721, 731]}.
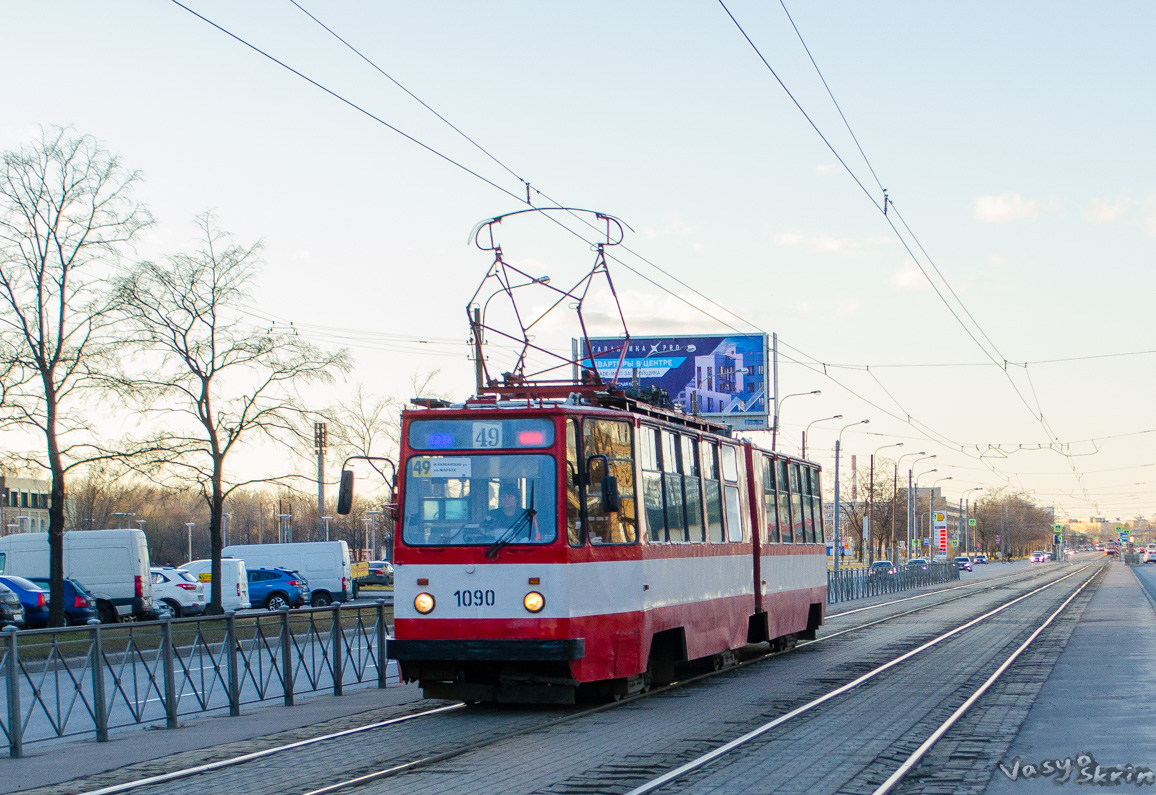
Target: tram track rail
{"type": "Point", "coordinates": [401, 767]}
{"type": "Point", "coordinates": [913, 759]}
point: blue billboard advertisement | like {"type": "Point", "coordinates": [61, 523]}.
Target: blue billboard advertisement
{"type": "Point", "coordinates": [722, 378]}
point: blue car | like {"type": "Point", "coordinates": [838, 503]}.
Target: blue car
{"type": "Point", "coordinates": [33, 597]}
{"type": "Point", "coordinates": [277, 588]}
{"type": "Point", "coordinates": [79, 603]}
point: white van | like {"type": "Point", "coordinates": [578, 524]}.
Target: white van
{"type": "Point", "coordinates": [324, 564]}
{"type": "Point", "coordinates": [112, 564]}
{"type": "Point", "coordinates": [234, 581]}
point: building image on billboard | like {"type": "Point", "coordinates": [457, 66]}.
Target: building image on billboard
{"type": "Point", "coordinates": [720, 377]}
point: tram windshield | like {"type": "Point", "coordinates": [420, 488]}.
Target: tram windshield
{"type": "Point", "coordinates": [478, 500]}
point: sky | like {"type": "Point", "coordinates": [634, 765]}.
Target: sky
{"type": "Point", "coordinates": [998, 316]}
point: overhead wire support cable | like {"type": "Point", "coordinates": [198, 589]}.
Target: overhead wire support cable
{"type": "Point", "coordinates": [348, 102]}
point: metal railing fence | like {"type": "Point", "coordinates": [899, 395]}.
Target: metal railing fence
{"type": "Point", "coordinates": [848, 584]}
{"type": "Point", "coordinates": [80, 680]}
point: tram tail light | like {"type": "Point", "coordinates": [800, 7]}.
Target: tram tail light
{"type": "Point", "coordinates": [424, 603]}
{"type": "Point", "coordinates": [534, 602]}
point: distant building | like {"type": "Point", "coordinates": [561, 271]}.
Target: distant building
{"type": "Point", "coordinates": [24, 505]}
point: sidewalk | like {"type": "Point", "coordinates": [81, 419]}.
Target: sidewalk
{"type": "Point", "coordinates": [202, 739]}
{"type": "Point", "coordinates": [1095, 701]}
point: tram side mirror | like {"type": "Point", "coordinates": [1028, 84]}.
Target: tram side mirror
{"type": "Point", "coordinates": [345, 493]}
{"type": "Point", "coordinates": [611, 501]}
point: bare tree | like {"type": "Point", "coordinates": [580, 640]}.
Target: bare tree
{"type": "Point", "coordinates": [228, 381]}
{"type": "Point", "coordinates": [66, 212]}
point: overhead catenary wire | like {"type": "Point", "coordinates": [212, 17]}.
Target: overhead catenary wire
{"type": "Point", "coordinates": [909, 419]}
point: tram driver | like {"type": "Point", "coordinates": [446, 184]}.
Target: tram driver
{"type": "Point", "coordinates": [508, 514]}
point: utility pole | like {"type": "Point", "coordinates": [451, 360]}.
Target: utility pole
{"type": "Point", "coordinates": [478, 365]}
{"type": "Point", "coordinates": [320, 442]}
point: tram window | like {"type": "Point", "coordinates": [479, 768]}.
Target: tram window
{"type": "Point", "coordinates": [692, 485]}
{"type": "Point", "coordinates": [808, 503]}
{"type": "Point", "coordinates": [770, 499]}
{"type": "Point", "coordinates": [574, 533]}
{"type": "Point", "coordinates": [817, 505]}
{"type": "Point", "coordinates": [652, 485]}
{"type": "Point", "coordinates": [797, 501]}
{"type": "Point", "coordinates": [713, 489]}
{"type": "Point", "coordinates": [783, 483]}
{"type": "Point", "coordinates": [730, 465]}
{"type": "Point", "coordinates": [610, 438]}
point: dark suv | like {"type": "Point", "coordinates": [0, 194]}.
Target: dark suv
{"type": "Point", "coordinates": [277, 588]}
{"type": "Point", "coordinates": [11, 610]}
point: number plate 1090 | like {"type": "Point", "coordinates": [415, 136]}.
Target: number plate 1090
{"type": "Point", "coordinates": [475, 598]}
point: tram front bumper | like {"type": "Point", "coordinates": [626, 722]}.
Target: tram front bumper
{"type": "Point", "coordinates": [487, 650]}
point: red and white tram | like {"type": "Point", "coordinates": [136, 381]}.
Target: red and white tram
{"type": "Point", "coordinates": [590, 543]}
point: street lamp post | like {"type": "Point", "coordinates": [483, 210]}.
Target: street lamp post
{"type": "Point", "coordinates": [808, 429]}
{"type": "Point", "coordinates": [836, 547]}
{"type": "Point", "coordinates": [915, 494]}
{"type": "Point", "coordinates": [894, 498]}
{"type": "Point", "coordinates": [969, 536]}
{"type": "Point", "coordinates": [373, 529]}
{"type": "Point", "coordinates": [871, 506]}
{"type": "Point", "coordinates": [911, 501]}
{"type": "Point", "coordinates": [190, 525]}
{"type": "Point", "coordinates": [778, 404]}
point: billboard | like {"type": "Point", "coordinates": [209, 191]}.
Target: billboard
{"type": "Point", "coordinates": [723, 378]}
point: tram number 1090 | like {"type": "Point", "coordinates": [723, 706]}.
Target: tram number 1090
{"type": "Point", "coordinates": [475, 598]}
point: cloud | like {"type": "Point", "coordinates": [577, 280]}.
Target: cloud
{"type": "Point", "coordinates": [1105, 211]}
{"type": "Point", "coordinates": [826, 244]}
{"type": "Point", "coordinates": [909, 278]}
{"type": "Point", "coordinates": [1004, 208]}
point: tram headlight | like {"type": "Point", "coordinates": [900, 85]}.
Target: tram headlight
{"type": "Point", "coordinates": [424, 603]}
{"type": "Point", "coordinates": [534, 602]}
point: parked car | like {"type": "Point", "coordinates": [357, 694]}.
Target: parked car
{"type": "Point", "coordinates": [234, 581]}
{"type": "Point", "coordinates": [881, 568]}
{"type": "Point", "coordinates": [33, 597]}
{"type": "Point", "coordinates": [79, 604]}
{"type": "Point", "coordinates": [11, 609]}
{"type": "Point", "coordinates": [179, 589]}
{"type": "Point", "coordinates": [277, 588]}
{"type": "Point", "coordinates": [980, 558]}
{"type": "Point", "coordinates": [918, 563]}
{"type": "Point", "coordinates": [940, 558]}
{"type": "Point", "coordinates": [1149, 555]}
{"type": "Point", "coordinates": [326, 565]}
{"type": "Point", "coordinates": [380, 573]}
{"type": "Point", "coordinates": [112, 564]}
{"type": "Point", "coordinates": [963, 562]}
{"type": "Point", "coordinates": [1037, 557]}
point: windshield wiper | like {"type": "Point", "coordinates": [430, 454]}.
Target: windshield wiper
{"type": "Point", "coordinates": [526, 519]}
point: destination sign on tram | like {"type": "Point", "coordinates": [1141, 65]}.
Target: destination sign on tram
{"type": "Point", "coordinates": [487, 434]}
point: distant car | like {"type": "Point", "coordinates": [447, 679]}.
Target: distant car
{"type": "Point", "coordinates": [1110, 550]}
{"type": "Point", "coordinates": [179, 589]}
{"type": "Point", "coordinates": [1150, 554]}
{"type": "Point", "coordinates": [980, 558]}
{"type": "Point", "coordinates": [881, 568]}
{"type": "Point", "coordinates": [939, 558]}
{"type": "Point", "coordinates": [918, 563]}
{"type": "Point", "coordinates": [33, 597]}
{"type": "Point", "coordinates": [380, 573]}
{"type": "Point", "coordinates": [163, 609]}
{"type": "Point", "coordinates": [11, 610]}
{"type": "Point", "coordinates": [277, 588]}
{"type": "Point", "coordinates": [963, 562]}
{"type": "Point", "coordinates": [79, 604]}
{"type": "Point", "coordinates": [1037, 557]}
{"type": "Point", "coordinates": [1050, 555]}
